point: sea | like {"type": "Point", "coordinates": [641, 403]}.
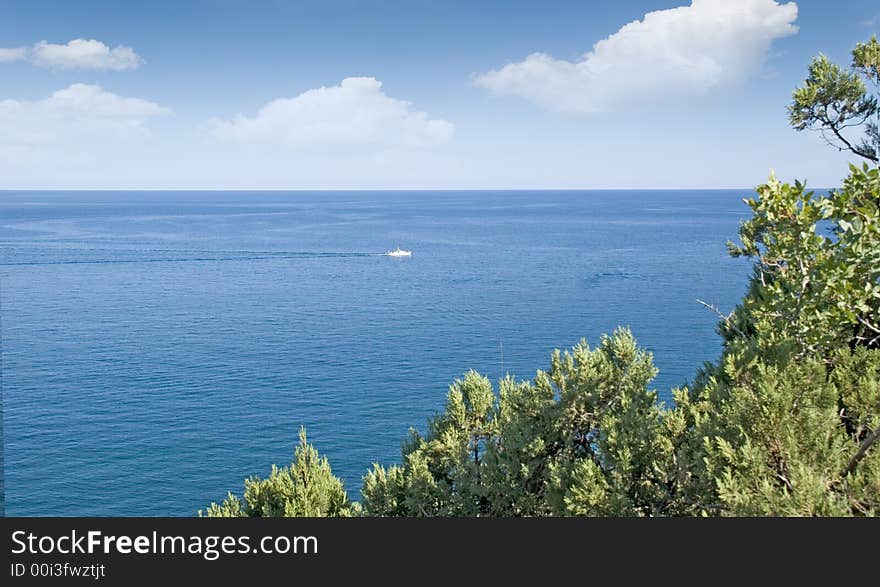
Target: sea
{"type": "Point", "coordinates": [159, 347]}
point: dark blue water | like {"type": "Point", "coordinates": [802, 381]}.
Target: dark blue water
{"type": "Point", "coordinates": [159, 347]}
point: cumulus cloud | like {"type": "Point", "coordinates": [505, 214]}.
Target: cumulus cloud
{"type": "Point", "coordinates": [76, 54]}
{"type": "Point", "coordinates": [356, 114]}
{"type": "Point", "coordinates": [668, 54]}
{"type": "Point", "coordinates": [73, 118]}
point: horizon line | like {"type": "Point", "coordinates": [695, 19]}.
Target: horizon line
{"type": "Point", "coordinates": [379, 189]}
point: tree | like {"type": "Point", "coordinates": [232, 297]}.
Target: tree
{"type": "Point", "coordinates": [833, 100]}
{"type": "Point", "coordinates": [786, 423]}
{"type": "Point", "coordinates": [443, 471]}
{"type": "Point", "coordinates": [817, 264]}
{"type": "Point", "coordinates": [585, 437]}
{"type": "Point", "coordinates": [307, 488]}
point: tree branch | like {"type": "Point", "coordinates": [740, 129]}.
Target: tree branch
{"type": "Point", "coordinates": [867, 324]}
{"type": "Point", "coordinates": [870, 439]}
{"type": "Point", "coordinates": [724, 317]}
{"type": "Point", "coordinates": [833, 128]}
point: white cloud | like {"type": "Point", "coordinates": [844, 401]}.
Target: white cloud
{"type": "Point", "coordinates": [76, 54]}
{"type": "Point", "coordinates": [78, 117]}
{"type": "Point", "coordinates": [354, 114]}
{"type": "Point", "coordinates": [12, 54]}
{"type": "Point", "coordinates": [85, 54]}
{"type": "Point", "coordinates": [669, 53]}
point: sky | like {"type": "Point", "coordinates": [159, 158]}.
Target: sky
{"type": "Point", "coordinates": [414, 94]}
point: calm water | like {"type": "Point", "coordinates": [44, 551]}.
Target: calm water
{"type": "Point", "coordinates": [159, 347]}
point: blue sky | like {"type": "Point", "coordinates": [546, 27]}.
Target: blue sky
{"type": "Point", "coordinates": [439, 93]}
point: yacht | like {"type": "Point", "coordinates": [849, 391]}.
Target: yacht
{"type": "Point", "coordinates": [398, 252]}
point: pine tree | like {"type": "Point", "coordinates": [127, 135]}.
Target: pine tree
{"type": "Point", "coordinates": [307, 488]}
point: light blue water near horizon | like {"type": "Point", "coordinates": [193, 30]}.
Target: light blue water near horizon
{"type": "Point", "coordinates": [158, 347]}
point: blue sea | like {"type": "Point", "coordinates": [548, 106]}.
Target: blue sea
{"type": "Point", "coordinates": [158, 347]}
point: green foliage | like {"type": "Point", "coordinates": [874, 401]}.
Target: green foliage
{"type": "Point", "coordinates": [442, 473]}
{"type": "Point", "coordinates": [833, 99]}
{"type": "Point", "coordinates": [774, 435]}
{"type": "Point", "coordinates": [307, 488]}
{"type": "Point", "coordinates": [866, 60]}
{"type": "Point", "coordinates": [775, 440]}
{"type": "Point", "coordinates": [615, 451]}
{"type": "Point", "coordinates": [585, 437]}
{"type": "Point", "coordinates": [817, 270]}
{"type": "Point", "coordinates": [787, 420]}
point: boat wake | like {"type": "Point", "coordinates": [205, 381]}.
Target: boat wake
{"type": "Point", "coordinates": [196, 257]}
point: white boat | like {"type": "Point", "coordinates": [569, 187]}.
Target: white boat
{"type": "Point", "coordinates": [398, 252]}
